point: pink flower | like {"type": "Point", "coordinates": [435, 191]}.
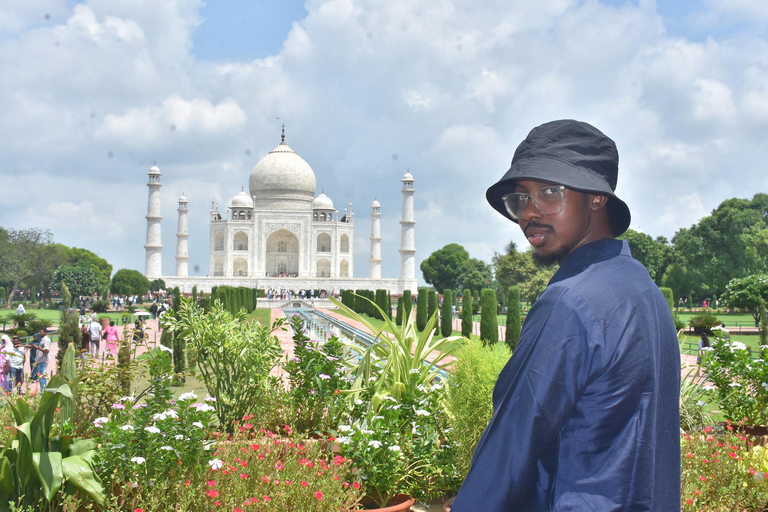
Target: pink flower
{"type": "Point", "coordinates": [319, 495]}
{"type": "Point", "coordinates": [118, 406]}
{"type": "Point", "coordinates": [304, 484]}
{"type": "Point", "coordinates": [267, 498]}
{"type": "Point", "coordinates": [356, 485]}
{"type": "Point", "coordinates": [213, 493]}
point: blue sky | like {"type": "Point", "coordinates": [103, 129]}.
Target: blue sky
{"type": "Point", "coordinates": [94, 91]}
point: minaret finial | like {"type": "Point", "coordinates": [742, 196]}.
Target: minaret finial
{"type": "Point", "coordinates": [282, 137]}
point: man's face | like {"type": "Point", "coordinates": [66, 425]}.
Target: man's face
{"type": "Point", "coordinates": [554, 236]}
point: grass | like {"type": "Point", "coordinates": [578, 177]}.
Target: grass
{"type": "Point", "coordinates": [261, 315]}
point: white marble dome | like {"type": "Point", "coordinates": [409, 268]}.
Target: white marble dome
{"type": "Point", "coordinates": [241, 200]}
{"type": "Point", "coordinates": [322, 202]}
{"type": "Point", "coordinates": [375, 204]}
{"type": "Point", "coordinates": [282, 179]}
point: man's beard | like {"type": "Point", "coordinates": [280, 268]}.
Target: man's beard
{"type": "Point", "coordinates": [549, 258]}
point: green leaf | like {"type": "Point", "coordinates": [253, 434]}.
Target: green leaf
{"type": "Point", "coordinates": [49, 472]}
{"type": "Point", "coordinates": [82, 446]}
{"type": "Point", "coordinates": [7, 480]}
{"type": "Point", "coordinates": [24, 461]}
{"type": "Point", "coordinates": [79, 473]}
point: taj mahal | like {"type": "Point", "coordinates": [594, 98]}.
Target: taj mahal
{"type": "Point", "coordinates": [280, 235]}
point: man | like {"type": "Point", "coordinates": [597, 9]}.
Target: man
{"type": "Point", "coordinates": [586, 411]}
{"type": "Point", "coordinates": [43, 347]}
{"type": "Point", "coordinates": [94, 329]}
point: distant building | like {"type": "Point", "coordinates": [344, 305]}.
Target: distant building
{"type": "Point", "coordinates": [280, 235]}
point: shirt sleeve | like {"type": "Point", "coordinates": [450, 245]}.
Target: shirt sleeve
{"type": "Point", "coordinates": [534, 396]}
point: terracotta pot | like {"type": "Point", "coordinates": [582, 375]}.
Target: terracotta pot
{"type": "Point", "coordinates": [400, 503]}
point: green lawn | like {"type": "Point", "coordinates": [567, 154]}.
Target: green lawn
{"type": "Point", "coordinates": [261, 315]}
{"type": "Point", "coordinates": [729, 319]}
{"type": "Point", "coordinates": [54, 315]}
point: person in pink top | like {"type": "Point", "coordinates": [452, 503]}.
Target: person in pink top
{"type": "Point", "coordinates": [110, 335]}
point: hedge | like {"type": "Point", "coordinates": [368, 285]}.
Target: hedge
{"type": "Point", "coordinates": [421, 309]}
{"type": "Point", "coordinates": [514, 321]}
{"type": "Point", "coordinates": [446, 320]}
{"type": "Point", "coordinates": [489, 326]}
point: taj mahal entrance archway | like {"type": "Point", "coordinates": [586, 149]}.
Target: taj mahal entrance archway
{"type": "Point", "coordinates": [282, 253]}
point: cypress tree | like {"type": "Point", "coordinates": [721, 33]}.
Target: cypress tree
{"type": "Point", "coordinates": [513, 318]}
{"type": "Point", "coordinates": [466, 314]}
{"type": "Point", "coordinates": [421, 309]}
{"type": "Point", "coordinates": [389, 305]}
{"type": "Point", "coordinates": [399, 313]}
{"type": "Point", "coordinates": [69, 331]}
{"type": "Point", "coordinates": [194, 294]}
{"type": "Point", "coordinates": [407, 303]}
{"type": "Point", "coordinates": [489, 325]}
{"type": "Point", "coordinates": [381, 299]}
{"type": "Point", "coordinates": [255, 294]}
{"type": "Point", "coordinates": [667, 292]}
{"type": "Point", "coordinates": [446, 320]}
{"type": "Point", "coordinates": [431, 303]}
{"type": "Point", "coordinates": [370, 305]}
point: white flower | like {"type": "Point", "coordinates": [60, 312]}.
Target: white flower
{"type": "Point", "coordinates": [765, 385]}
{"type": "Point", "coordinates": [709, 387]}
{"type": "Point", "coordinates": [160, 416]}
{"type": "Point", "coordinates": [414, 371]}
{"type": "Point", "coordinates": [171, 413]}
{"type": "Point", "coordinates": [345, 428]}
{"type": "Point", "coordinates": [700, 403]}
{"type": "Point", "coordinates": [179, 436]}
{"type": "Point", "coordinates": [374, 443]}
{"type": "Point", "coordinates": [394, 448]}
{"type": "Point", "coordinates": [203, 407]}
{"type": "Point", "coordinates": [358, 402]}
{"type": "Point", "coordinates": [421, 388]}
{"type": "Point", "coordinates": [737, 345]}
{"type": "Point", "coordinates": [152, 429]}
{"type": "Point", "coordinates": [198, 424]}
{"type": "Point", "coordinates": [215, 464]}
{"type": "Point", "coordinates": [187, 396]}
{"type": "Point", "coordinates": [138, 460]}
{"type": "Point", "coordinates": [422, 412]}
{"type": "Point", "coordinates": [98, 421]}
{"type": "Point", "coordinates": [708, 349]}
{"type": "Point", "coordinates": [166, 448]}
{"type": "Point", "coordinates": [366, 432]}
{"type": "Point", "coordinates": [377, 418]}
{"type": "Point", "coordinates": [208, 445]}
{"type": "Point", "coordinates": [390, 398]}
{"type": "Point", "coordinates": [126, 399]}
{"type": "Point", "coordinates": [166, 349]}
{"type": "Point", "coordinates": [735, 385]}
{"type": "Point", "coordinates": [343, 440]}
{"type": "Point", "coordinates": [324, 376]}
{"type": "Point", "coordinates": [210, 399]}
{"type": "Point", "coordinates": [126, 427]}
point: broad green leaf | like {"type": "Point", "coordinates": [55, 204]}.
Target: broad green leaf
{"type": "Point", "coordinates": [79, 473]}
{"type": "Point", "coordinates": [7, 479]}
{"type": "Point", "coordinates": [24, 462]}
{"type": "Point", "coordinates": [82, 446]}
{"type": "Point", "coordinates": [49, 472]}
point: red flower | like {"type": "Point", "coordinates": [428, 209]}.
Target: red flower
{"type": "Point", "coordinates": [267, 498]}
{"type": "Point", "coordinates": [211, 483]}
{"type": "Point", "coordinates": [243, 476]}
{"type": "Point", "coordinates": [689, 501]}
{"type": "Point", "coordinates": [255, 447]}
{"type": "Point", "coordinates": [138, 510]}
{"type": "Point", "coordinates": [319, 495]}
{"type": "Point", "coordinates": [304, 484]}
{"type": "Point", "coordinates": [213, 493]}
{"type": "Point", "coordinates": [356, 485]}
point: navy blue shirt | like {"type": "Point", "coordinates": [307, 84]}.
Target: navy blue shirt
{"type": "Point", "coordinates": [586, 412]}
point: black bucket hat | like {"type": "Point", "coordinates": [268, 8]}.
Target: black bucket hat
{"type": "Point", "coordinates": [570, 153]}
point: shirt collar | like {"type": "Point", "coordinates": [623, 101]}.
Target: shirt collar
{"type": "Point", "coordinates": [586, 255]}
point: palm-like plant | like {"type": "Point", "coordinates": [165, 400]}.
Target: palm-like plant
{"type": "Point", "coordinates": [396, 364]}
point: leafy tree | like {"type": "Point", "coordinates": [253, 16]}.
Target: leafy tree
{"type": "Point", "coordinates": [536, 283]}
{"type": "Point", "coordinates": [26, 255]}
{"type": "Point", "coordinates": [746, 293]}
{"type": "Point", "coordinates": [79, 280]}
{"type": "Point", "coordinates": [475, 275]}
{"type": "Point", "coordinates": [443, 267]}
{"type": "Point", "coordinates": [514, 321]}
{"type": "Point", "coordinates": [466, 313]}
{"type": "Point", "coordinates": [157, 285]}
{"type": "Point", "coordinates": [678, 280]}
{"type": "Point", "coordinates": [421, 309]}
{"type": "Point", "coordinates": [446, 316]}
{"type": "Point", "coordinates": [489, 325]}
{"type": "Point", "coordinates": [129, 282]}
{"type": "Point", "coordinates": [99, 266]}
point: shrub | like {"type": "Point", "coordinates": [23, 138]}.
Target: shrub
{"type": "Point", "coordinates": [667, 292]}
{"type": "Point", "coordinates": [703, 323]}
{"type": "Point", "coordinates": [489, 325]}
{"type": "Point", "coordinates": [514, 321]}
{"type": "Point", "coordinates": [407, 303]}
{"type": "Point", "coordinates": [399, 312]}
{"type": "Point", "coordinates": [469, 398]}
{"type": "Point", "coordinates": [382, 300]}
{"type": "Point", "coordinates": [466, 313]}
{"type": "Point", "coordinates": [446, 317]}
{"type": "Point", "coordinates": [421, 309]}
{"type": "Point", "coordinates": [233, 356]}
{"type": "Point", "coordinates": [431, 303]}
{"type": "Point", "coordinates": [100, 306]}
{"type": "Point", "coordinates": [69, 329]}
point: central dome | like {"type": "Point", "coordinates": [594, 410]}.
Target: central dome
{"type": "Point", "coordinates": [282, 180]}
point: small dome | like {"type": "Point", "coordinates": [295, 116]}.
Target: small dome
{"type": "Point", "coordinates": [322, 202]}
{"type": "Point", "coordinates": [154, 170]}
{"type": "Point", "coordinates": [282, 179]}
{"type": "Point", "coordinates": [408, 176]}
{"type": "Point", "coordinates": [241, 200]}
{"type": "Point", "coordinates": [375, 204]}
{"type": "Point", "coordinates": [183, 199]}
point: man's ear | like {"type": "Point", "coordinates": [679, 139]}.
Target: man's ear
{"type": "Point", "coordinates": [597, 202]}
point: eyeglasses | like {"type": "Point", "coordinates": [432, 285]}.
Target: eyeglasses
{"type": "Point", "coordinates": [548, 200]}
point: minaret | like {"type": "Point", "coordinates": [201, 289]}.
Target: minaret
{"type": "Point", "coordinates": [375, 240]}
{"type": "Point", "coordinates": [407, 247]}
{"type": "Point", "coordinates": [154, 246]}
{"type": "Point", "coordinates": [182, 243]}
